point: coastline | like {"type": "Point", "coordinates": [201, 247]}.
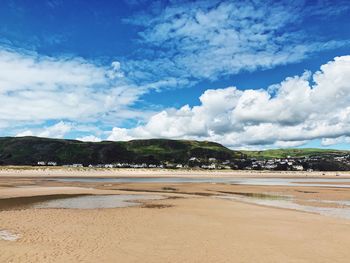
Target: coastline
{"type": "Point", "coordinates": [33, 171]}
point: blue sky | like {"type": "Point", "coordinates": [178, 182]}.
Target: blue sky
{"type": "Point", "coordinates": [248, 74]}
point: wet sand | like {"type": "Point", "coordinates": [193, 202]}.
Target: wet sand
{"type": "Point", "coordinates": [191, 225]}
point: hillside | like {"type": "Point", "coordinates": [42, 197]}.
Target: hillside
{"type": "Point", "coordinates": [30, 150]}
{"type": "Point", "coordinates": [283, 153]}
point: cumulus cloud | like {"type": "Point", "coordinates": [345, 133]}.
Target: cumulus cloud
{"type": "Point", "coordinates": [36, 88]}
{"type": "Point", "coordinates": [25, 133]}
{"type": "Point", "coordinates": [211, 39]}
{"type": "Point", "coordinates": [334, 141]}
{"type": "Point", "coordinates": [119, 134]}
{"type": "Point", "coordinates": [299, 109]}
{"type": "Point", "coordinates": [57, 130]}
{"type": "Point", "coordinates": [89, 138]}
{"type": "Point", "coordinates": [183, 43]}
{"type": "Point", "coordinates": [115, 71]}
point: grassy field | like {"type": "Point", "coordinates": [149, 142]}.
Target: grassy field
{"type": "Point", "coordinates": [283, 153]}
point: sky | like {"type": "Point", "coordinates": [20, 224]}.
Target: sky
{"type": "Point", "coordinates": [247, 74]}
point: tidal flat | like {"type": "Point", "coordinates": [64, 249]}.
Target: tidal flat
{"type": "Point", "coordinates": [215, 218]}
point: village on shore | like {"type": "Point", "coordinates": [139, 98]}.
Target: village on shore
{"type": "Point", "coordinates": [314, 163]}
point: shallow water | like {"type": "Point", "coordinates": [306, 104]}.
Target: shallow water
{"type": "Point", "coordinates": [95, 201]}
{"type": "Point", "coordinates": [319, 182]}
{"type": "Point", "coordinates": [289, 203]}
{"type": "Point", "coordinates": [336, 202]}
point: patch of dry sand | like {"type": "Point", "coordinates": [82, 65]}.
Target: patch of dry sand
{"type": "Point", "coordinates": [69, 171]}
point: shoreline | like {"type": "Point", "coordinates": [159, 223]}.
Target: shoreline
{"type": "Point", "coordinates": [24, 171]}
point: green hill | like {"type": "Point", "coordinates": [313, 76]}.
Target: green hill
{"type": "Point", "coordinates": [283, 153]}
{"type": "Point", "coordinates": [30, 150]}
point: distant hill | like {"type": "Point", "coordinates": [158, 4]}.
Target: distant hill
{"type": "Point", "coordinates": [30, 150]}
{"type": "Point", "coordinates": [292, 152]}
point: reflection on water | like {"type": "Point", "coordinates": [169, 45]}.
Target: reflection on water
{"type": "Point", "coordinates": [289, 203]}
{"type": "Point", "coordinates": [95, 201]}
{"type": "Point", "coordinates": [8, 236]}
{"type": "Point", "coordinates": [320, 182]}
{"type": "Point", "coordinates": [259, 195]}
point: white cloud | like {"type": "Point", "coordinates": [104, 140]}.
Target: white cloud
{"type": "Point", "coordinates": [334, 141]}
{"type": "Point", "coordinates": [89, 138]}
{"type": "Point", "coordinates": [210, 39]}
{"type": "Point", "coordinates": [115, 71]}
{"type": "Point", "coordinates": [57, 130]}
{"type": "Point", "coordinates": [25, 133]}
{"type": "Point", "coordinates": [181, 44]}
{"type": "Point", "coordinates": [35, 88]}
{"type": "Point", "coordinates": [289, 144]}
{"type": "Point", "coordinates": [119, 134]}
{"type": "Point", "coordinates": [21, 71]}
{"type": "Point", "coordinates": [301, 108]}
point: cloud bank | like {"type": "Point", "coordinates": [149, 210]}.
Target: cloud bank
{"type": "Point", "coordinates": [299, 109]}
{"type": "Point", "coordinates": [36, 88]}
{"type": "Point", "coordinates": [57, 130]}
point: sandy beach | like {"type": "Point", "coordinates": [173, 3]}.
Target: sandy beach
{"type": "Point", "coordinates": [174, 131]}
{"type": "Point", "coordinates": [35, 171]}
{"type": "Point", "coordinates": [192, 223]}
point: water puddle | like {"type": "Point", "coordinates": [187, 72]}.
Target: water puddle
{"type": "Point", "coordinates": [267, 196]}
{"type": "Point", "coordinates": [341, 203]}
{"type": "Point", "coordinates": [8, 236]}
{"type": "Point", "coordinates": [96, 201]}
{"type": "Point", "coordinates": [288, 202]}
